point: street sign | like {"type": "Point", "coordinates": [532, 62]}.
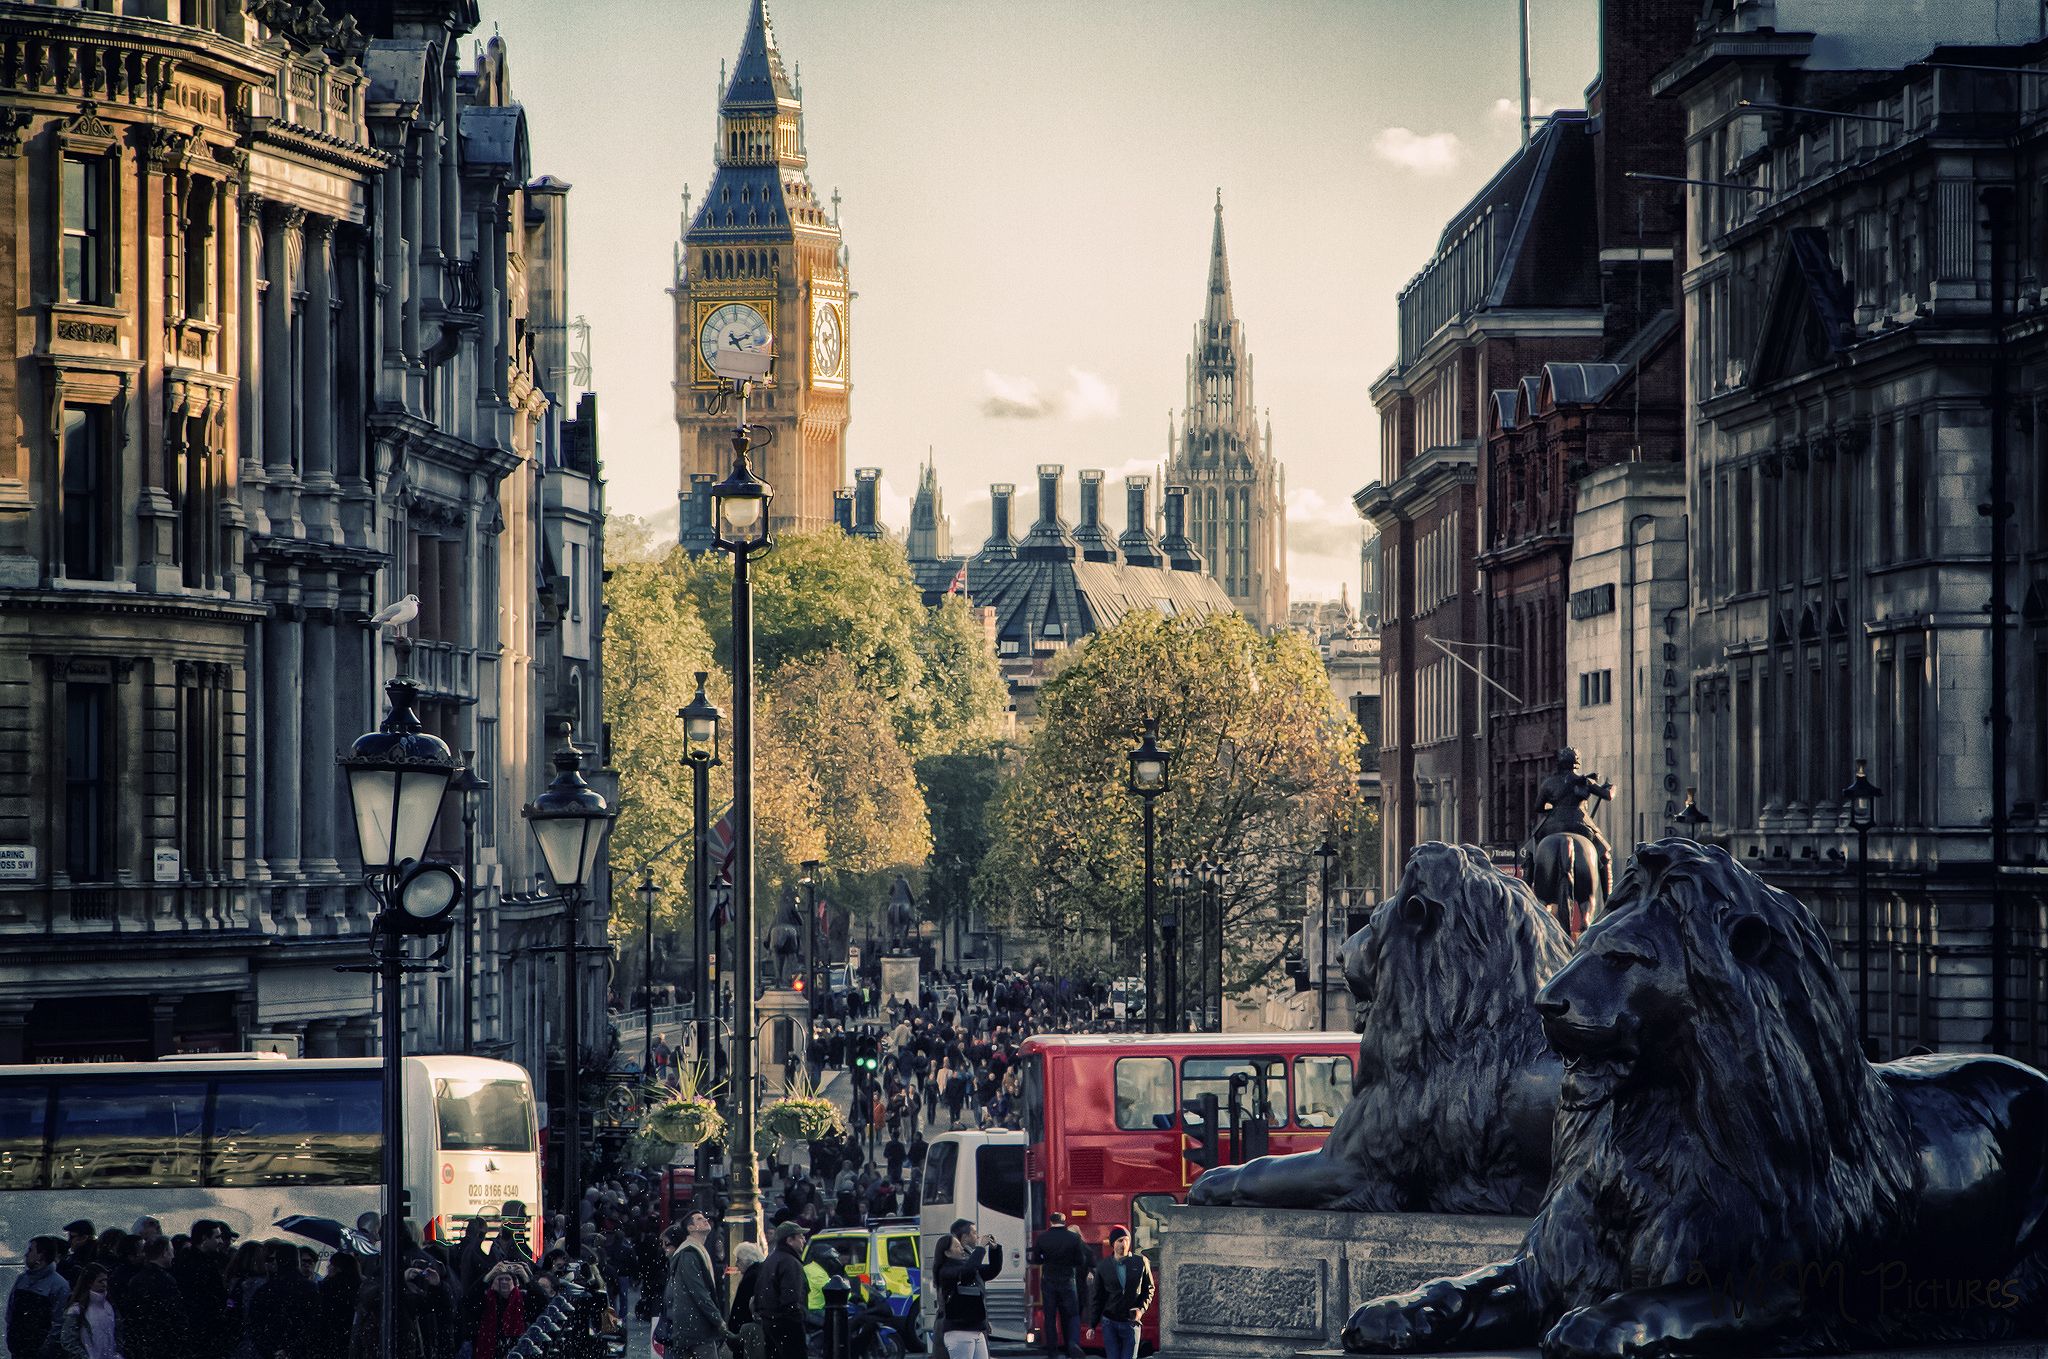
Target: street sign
{"type": "Point", "coordinates": [17, 863]}
{"type": "Point", "coordinates": [166, 863]}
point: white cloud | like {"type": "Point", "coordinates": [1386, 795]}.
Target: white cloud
{"type": "Point", "coordinates": [1425, 153]}
{"type": "Point", "coordinates": [1319, 527]}
{"type": "Point", "coordinates": [1087, 396]}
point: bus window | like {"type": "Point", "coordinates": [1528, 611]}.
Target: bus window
{"type": "Point", "coordinates": [999, 1179]}
{"type": "Point", "coordinates": [939, 1161]}
{"type": "Point", "coordinates": [315, 1130]}
{"type": "Point", "coordinates": [1034, 1099]}
{"type": "Point", "coordinates": [128, 1134]}
{"type": "Point", "coordinates": [484, 1115]}
{"type": "Point", "coordinates": [1322, 1084]}
{"type": "Point", "coordinates": [1144, 1092]}
{"type": "Point", "coordinates": [1201, 1076]}
{"type": "Point", "coordinates": [23, 1110]}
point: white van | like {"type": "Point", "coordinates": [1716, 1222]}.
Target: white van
{"type": "Point", "coordinates": [978, 1175]}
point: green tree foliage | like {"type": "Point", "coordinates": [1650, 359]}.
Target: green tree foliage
{"type": "Point", "coordinates": [858, 681]}
{"type": "Point", "coordinates": [1265, 764]}
{"type": "Point", "coordinates": [960, 788]}
{"type": "Point", "coordinates": [654, 643]}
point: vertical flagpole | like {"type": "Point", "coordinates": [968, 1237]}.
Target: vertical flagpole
{"type": "Point", "coordinates": [1522, 18]}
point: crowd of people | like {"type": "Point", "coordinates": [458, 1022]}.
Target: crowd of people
{"type": "Point", "coordinates": [951, 1055]}
{"type": "Point", "coordinates": [204, 1294]}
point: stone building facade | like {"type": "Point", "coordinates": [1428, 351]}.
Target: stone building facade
{"type": "Point", "coordinates": [1237, 491]}
{"type": "Point", "coordinates": [273, 368]}
{"type": "Point", "coordinates": [762, 258]}
{"type": "Point", "coordinates": [1864, 303]}
{"type": "Point", "coordinates": [1511, 287]}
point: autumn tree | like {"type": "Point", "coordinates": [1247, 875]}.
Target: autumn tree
{"type": "Point", "coordinates": [1264, 766]}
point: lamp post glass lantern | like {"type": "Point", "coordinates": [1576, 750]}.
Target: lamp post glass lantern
{"type": "Point", "coordinates": [1861, 798]}
{"type": "Point", "coordinates": [1691, 817]}
{"type": "Point", "coordinates": [397, 777]}
{"type": "Point", "coordinates": [569, 823]}
{"type": "Point", "coordinates": [1148, 780]}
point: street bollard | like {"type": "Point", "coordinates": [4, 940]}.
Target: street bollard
{"type": "Point", "coordinates": [838, 1334]}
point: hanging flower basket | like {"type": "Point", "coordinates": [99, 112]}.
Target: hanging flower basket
{"type": "Point", "coordinates": [802, 1115]}
{"type": "Point", "coordinates": [684, 1122]}
{"type": "Point", "coordinates": [683, 1114]}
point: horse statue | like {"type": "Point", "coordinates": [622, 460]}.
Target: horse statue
{"type": "Point", "coordinates": [1566, 859]}
{"type": "Point", "coordinates": [1565, 873]}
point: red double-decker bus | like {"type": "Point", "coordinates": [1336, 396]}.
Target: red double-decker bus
{"type": "Point", "coordinates": [1105, 1138]}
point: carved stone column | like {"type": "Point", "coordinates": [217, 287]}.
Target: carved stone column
{"type": "Point", "coordinates": [248, 358]}
{"type": "Point", "coordinates": [280, 454]}
{"type": "Point", "coordinates": [318, 382]}
{"type": "Point", "coordinates": [283, 695]}
{"type": "Point", "coordinates": [321, 833]}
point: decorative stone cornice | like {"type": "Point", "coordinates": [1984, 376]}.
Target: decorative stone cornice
{"type": "Point", "coordinates": [165, 148]}
{"type": "Point", "coordinates": [308, 25]}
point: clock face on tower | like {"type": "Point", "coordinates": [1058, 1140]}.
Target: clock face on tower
{"type": "Point", "coordinates": [826, 353]}
{"type": "Point", "coordinates": [734, 326]}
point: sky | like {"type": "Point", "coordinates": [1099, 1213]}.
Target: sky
{"type": "Point", "coordinates": [1027, 199]}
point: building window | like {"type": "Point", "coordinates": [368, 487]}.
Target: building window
{"type": "Point", "coordinates": [198, 260]}
{"type": "Point", "coordinates": [575, 582]}
{"type": "Point", "coordinates": [86, 494]}
{"type": "Point", "coordinates": [1745, 755]}
{"type": "Point", "coordinates": [1912, 739]}
{"type": "Point", "coordinates": [1744, 530]}
{"type": "Point", "coordinates": [1882, 507]}
{"type": "Point", "coordinates": [1912, 488]}
{"type": "Point", "coordinates": [88, 776]}
{"type": "Point", "coordinates": [85, 231]}
{"type": "Point", "coordinates": [1596, 687]}
{"type": "Point", "coordinates": [487, 768]}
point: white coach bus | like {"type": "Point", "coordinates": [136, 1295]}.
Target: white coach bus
{"type": "Point", "coordinates": [251, 1139]}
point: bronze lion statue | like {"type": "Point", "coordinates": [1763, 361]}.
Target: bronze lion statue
{"type": "Point", "coordinates": [1455, 1088]}
{"type": "Point", "coordinates": [1733, 1177]}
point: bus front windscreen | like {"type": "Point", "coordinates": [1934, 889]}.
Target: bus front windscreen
{"type": "Point", "coordinates": [484, 1115]}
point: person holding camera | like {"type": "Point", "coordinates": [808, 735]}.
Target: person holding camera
{"type": "Point", "coordinates": [965, 1267]}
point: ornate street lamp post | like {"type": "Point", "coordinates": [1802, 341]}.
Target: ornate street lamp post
{"type": "Point", "coordinates": [471, 786]}
{"type": "Point", "coordinates": [397, 776]}
{"type": "Point", "coordinates": [700, 751]}
{"type": "Point", "coordinates": [741, 515]}
{"type": "Point", "coordinates": [569, 823]}
{"type": "Point", "coordinates": [1205, 901]}
{"type": "Point", "coordinates": [1177, 885]}
{"type": "Point", "coordinates": [1148, 781]}
{"type": "Point", "coordinates": [1862, 796]}
{"type": "Point", "coordinates": [811, 868]}
{"type": "Point", "coordinates": [647, 892]}
{"type": "Point", "coordinates": [1326, 858]}
{"type": "Point", "coordinates": [1214, 1016]}
{"type": "Point", "coordinates": [1691, 817]}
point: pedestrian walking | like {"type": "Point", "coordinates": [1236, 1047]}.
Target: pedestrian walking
{"type": "Point", "coordinates": [88, 1328]}
{"type": "Point", "coordinates": [692, 1323]}
{"type": "Point", "coordinates": [38, 1298]}
{"type": "Point", "coordinates": [1120, 1291]}
{"type": "Point", "coordinates": [1064, 1262]}
{"type": "Point", "coordinates": [781, 1293]}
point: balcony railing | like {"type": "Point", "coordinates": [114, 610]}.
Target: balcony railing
{"type": "Point", "coordinates": [461, 290]}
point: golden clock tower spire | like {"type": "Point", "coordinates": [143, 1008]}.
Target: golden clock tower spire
{"type": "Point", "coordinates": [762, 261]}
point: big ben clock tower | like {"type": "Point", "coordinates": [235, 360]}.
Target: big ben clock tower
{"type": "Point", "coordinates": [762, 260]}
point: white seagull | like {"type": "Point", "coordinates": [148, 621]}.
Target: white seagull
{"type": "Point", "coordinates": [395, 616]}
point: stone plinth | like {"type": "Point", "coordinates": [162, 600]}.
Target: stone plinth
{"type": "Point", "coordinates": [1268, 1283]}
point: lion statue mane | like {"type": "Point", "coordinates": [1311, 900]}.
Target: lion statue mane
{"type": "Point", "coordinates": [1732, 1175]}
{"type": "Point", "coordinates": [1455, 1087]}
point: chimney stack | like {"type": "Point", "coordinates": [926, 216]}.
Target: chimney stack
{"type": "Point", "coordinates": [1000, 546]}
{"type": "Point", "coordinates": [1139, 546]}
{"type": "Point", "coordinates": [842, 508]}
{"type": "Point", "coordinates": [864, 525]}
{"type": "Point", "coordinates": [1092, 536]}
{"type": "Point", "coordinates": [1180, 553]}
{"type": "Point", "coordinates": [1048, 539]}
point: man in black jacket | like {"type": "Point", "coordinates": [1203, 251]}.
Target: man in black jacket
{"type": "Point", "coordinates": [782, 1293]}
{"type": "Point", "coordinates": [1063, 1261]}
{"type": "Point", "coordinates": [152, 1313]}
{"type": "Point", "coordinates": [1122, 1291]}
{"type": "Point", "coordinates": [201, 1274]}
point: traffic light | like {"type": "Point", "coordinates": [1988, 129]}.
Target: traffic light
{"type": "Point", "coordinates": [1206, 1152]}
